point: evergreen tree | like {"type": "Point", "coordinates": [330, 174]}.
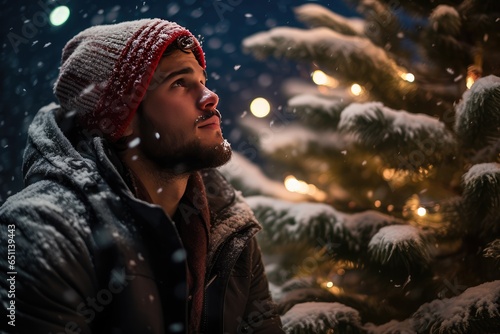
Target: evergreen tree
{"type": "Point", "coordinates": [394, 160]}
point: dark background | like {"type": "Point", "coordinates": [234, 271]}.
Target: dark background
{"type": "Point", "coordinates": [31, 50]}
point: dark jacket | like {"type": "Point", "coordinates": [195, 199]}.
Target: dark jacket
{"type": "Point", "coordinates": [92, 258]}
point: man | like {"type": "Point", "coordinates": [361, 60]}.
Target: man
{"type": "Point", "coordinates": [124, 226]}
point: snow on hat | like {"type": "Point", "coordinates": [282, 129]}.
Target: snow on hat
{"type": "Point", "coordinates": [106, 70]}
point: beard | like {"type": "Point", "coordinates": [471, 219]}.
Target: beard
{"type": "Point", "coordinates": [188, 157]}
{"type": "Point", "coordinates": [174, 154]}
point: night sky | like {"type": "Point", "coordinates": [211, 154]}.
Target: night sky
{"type": "Point", "coordinates": [31, 51]}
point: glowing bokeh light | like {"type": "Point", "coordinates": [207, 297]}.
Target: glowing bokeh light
{"type": "Point", "coordinates": [260, 107]}
{"type": "Point", "coordinates": [469, 82]}
{"type": "Point", "coordinates": [421, 212]}
{"type": "Point", "coordinates": [356, 89]}
{"type": "Point", "coordinates": [59, 15]}
{"type": "Point", "coordinates": [408, 77]}
{"type": "Point", "coordinates": [319, 77]}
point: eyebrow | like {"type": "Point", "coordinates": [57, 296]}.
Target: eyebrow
{"type": "Point", "coordinates": [185, 70]}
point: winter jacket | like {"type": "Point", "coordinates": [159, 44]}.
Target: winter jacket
{"type": "Point", "coordinates": [90, 257]}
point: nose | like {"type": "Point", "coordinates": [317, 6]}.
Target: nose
{"type": "Point", "coordinates": [208, 100]}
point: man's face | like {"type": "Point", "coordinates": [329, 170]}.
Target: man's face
{"type": "Point", "coordinates": [177, 126]}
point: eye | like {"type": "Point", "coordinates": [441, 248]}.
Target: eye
{"type": "Point", "coordinates": [179, 83]}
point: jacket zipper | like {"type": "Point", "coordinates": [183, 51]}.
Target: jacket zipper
{"type": "Point", "coordinates": [208, 282]}
{"type": "Point", "coordinates": [203, 324]}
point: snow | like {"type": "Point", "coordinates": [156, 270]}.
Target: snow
{"type": "Point", "coordinates": [478, 172]}
{"type": "Point", "coordinates": [254, 181]}
{"type": "Point", "coordinates": [317, 15]}
{"type": "Point", "coordinates": [319, 317]}
{"type": "Point", "coordinates": [296, 221]}
{"type": "Point", "coordinates": [134, 142]}
{"type": "Point", "coordinates": [396, 234]}
{"type": "Point", "coordinates": [298, 43]}
{"type": "Point", "coordinates": [399, 121]}
{"type": "Point", "coordinates": [367, 223]}
{"type": "Point", "coordinates": [472, 112]}
{"type": "Point", "coordinates": [315, 103]}
{"type": "Point", "coordinates": [443, 11]}
{"type": "Point", "coordinates": [457, 312]}
{"type": "Point", "coordinates": [398, 134]}
{"type": "Point", "coordinates": [404, 239]}
{"type": "Point", "coordinates": [280, 135]}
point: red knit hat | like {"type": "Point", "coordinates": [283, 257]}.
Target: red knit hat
{"type": "Point", "coordinates": [106, 70]}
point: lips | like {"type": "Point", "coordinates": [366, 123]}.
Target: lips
{"type": "Point", "coordinates": [212, 122]}
{"type": "Point", "coordinates": [212, 119]}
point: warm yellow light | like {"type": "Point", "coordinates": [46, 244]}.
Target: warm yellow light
{"type": "Point", "coordinates": [260, 107]}
{"type": "Point", "coordinates": [356, 89]}
{"type": "Point", "coordinates": [296, 186]}
{"type": "Point", "coordinates": [319, 77]}
{"type": "Point", "coordinates": [301, 187]}
{"type": "Point", "coordinates": [377, 204]}
{"type": "Point", "coordinates": [335, 290]}
{"type": "Point", "coordinates": [421, 211]}
{"type": "Point", "coordinates": [329, 284]}
{"type": "Point", "coordinates": [408, 77]}
{"type": "Point", "coordinates": [59, 15]}
{"type": "Point", "coordinates": [469, 82]}
{"type": "Point", "coordinates": [388, 173]}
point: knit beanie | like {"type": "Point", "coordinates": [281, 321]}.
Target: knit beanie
{"type": "Point", "coordinates": [106, 71]}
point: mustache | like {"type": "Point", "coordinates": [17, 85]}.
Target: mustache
{"type": "Point", "coordinates": [207, 115]}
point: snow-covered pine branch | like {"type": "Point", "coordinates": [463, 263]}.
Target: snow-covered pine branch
{"type": "Point", "coordinates": [443, 42]}
{"type": "Point", "coordinates": [318, 16]}
{"type": "Point", "coordinates": [321, 318]}
{"type": "Point", "coordinates": [382, 25]}
{"type": "Point", "coordinates": [250, 180]}
{"type": "Point", "coordinates": [317, 111]}
{"type": "Point", "coordinates": [476, 310]}
{"type": "Point", "coordinates": [478, 114]}
{"type": "Point", "coordinates": [278, 136]}
{"type": "Point", "coordinates": [493, 250]}
{"type": "Point", "coordinates": [445, 20]}
{"type": "Point", "coordinates": [400, 246]}
{"type": "Point", "coordinates": [481, 198]}
{"type": "Point", "coordinates": [363, 226]}
{"type": "Point", "coordinates": [348, 58]}
{"type": "Point", "coordinates": [284, 222]}
{"type": "Point", "coordinates": [316, 224]}
{"type": "Point", "coordinates": [406, 141]}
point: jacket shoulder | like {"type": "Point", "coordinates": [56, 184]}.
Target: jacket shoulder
{"type": "Point", "coordinates": [46, 205]}
{"type": "Point", "coordinates": [49, 228]}
{"type": "Point", "coordinates": [49, 239]}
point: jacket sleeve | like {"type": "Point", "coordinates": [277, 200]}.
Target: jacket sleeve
{"type": "Point", "coordinates": [47, 280]}
{"type": "Point", "coordinates": [260, 313]}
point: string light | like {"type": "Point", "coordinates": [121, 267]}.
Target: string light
{"type": "Point", "coordinates": [474, 72]}
{"type": "Point", "coordinates": [421, 211]}
{"type": "Point", "coordinates": [322, 79]}
{"type": "Point", "coordinates": [408, 77]}
{"type": "Point", "coordinates": [427, 214]}
{"type": "Point", "coordinates": [302, 187]}
{"type": "Point", "coordinates": [356, 89]}
{"type": "Point", "coordinates": [331, 287]}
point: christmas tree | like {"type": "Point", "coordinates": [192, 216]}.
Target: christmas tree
{"type": "Point", "coordinates": [388, 220]}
